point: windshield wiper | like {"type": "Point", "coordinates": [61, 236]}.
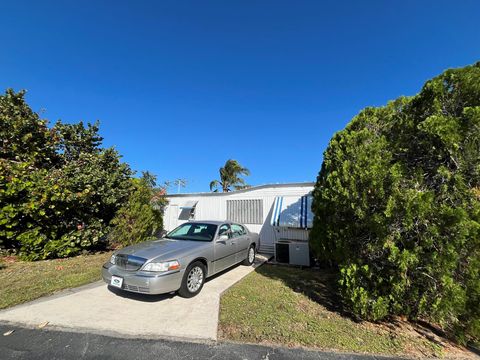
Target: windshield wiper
{"type": "Point", "coordinates": [177, 238]}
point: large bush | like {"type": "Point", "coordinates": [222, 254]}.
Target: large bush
{"type": "Point", "coordinates": [59, 189]}
{"type": "Point", "coordinates": [397, 206]}
{"type": "Point", "coordinates": [141, 218]}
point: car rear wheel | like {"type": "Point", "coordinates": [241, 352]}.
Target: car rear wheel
{"type": "Point", "coordinates": [193, 280]}
{"type": "Point", "coordinates": [250, 256]}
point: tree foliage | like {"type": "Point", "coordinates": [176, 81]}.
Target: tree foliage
{"type": "Point", "coordinates": [230, 177]}
{"type": "Point", "coordinates": [59, 189]}
{"type": "Point", "coordinates": [397, 206]}
{"type": "Point", "coordinates": [140, 219]}
{"type": "Point", "coordinates": [24, 137]}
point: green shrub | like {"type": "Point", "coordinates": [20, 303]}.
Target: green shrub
{"type": "Point", "coordinates": [140, 219]}
{"type": "Point", "coordinates": [37, 246]}
{"type": "Point", "coordinates": [397, 206]}
{"type": "Point", "coordinates": [59, 189]}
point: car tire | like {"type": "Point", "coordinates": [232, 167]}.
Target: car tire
{"type": "Point", "coordinates": [193, 280]}
{"type": "Point", "coordinates": [250, 256]}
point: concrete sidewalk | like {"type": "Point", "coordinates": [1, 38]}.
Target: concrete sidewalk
{"type": "Point", "coordinates": [99, 309]}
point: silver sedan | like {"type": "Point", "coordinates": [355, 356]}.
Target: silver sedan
{"type": "Point", "coordinates": [182, 260]}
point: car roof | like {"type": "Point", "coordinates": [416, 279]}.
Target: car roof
{"type": "Point", "coordinates": [213, 222]}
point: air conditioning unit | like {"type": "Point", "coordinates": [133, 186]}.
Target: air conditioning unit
{"type": "Point", "coordinates": [292, 252]}
{"type": "Point", "coordinates": [299, 254]}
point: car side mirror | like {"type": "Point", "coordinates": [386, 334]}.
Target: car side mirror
{"type": "Point", "coordinates": [223, 237]}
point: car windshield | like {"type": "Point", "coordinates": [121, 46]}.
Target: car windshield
{"type": "Point", "coordinates": [194, 232]}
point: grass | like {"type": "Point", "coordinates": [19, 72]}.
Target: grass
{"type": "Point", "coordinates": [22, 281]}
{"type": "Point", "coordinates": [294, 307]}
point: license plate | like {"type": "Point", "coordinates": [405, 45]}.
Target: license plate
{"type": "Point", "coordinates": [116, 281]}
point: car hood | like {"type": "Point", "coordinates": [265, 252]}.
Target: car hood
{"type": "Point", "coordinates": [164, 248]}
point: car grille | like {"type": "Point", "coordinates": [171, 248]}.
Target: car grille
{"type": "Point", "coordinates": [129, 262]}
{"type": "Point", "coordinates": [138, 289]}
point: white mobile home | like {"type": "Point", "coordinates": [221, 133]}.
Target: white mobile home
{"type": "Point", "coordinates": [280, 213]}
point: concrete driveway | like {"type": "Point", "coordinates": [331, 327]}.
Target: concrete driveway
{"type": "Point", "coordinates": [100, 309]}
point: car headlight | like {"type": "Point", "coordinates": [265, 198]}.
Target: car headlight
{"type": "Point", "coordinates": [113, 259]}
{"type": "Point", "coordinates": [162, 266]}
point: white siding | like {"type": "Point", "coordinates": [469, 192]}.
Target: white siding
{"type": "Point", "coordinates": [214, 207]}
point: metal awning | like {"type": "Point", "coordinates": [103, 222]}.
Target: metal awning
{"type": "Point", "coordinates": [187, 210]}
{"type": "Point", "coordinates": [189, 204]}
{"type": "Point", "coordinates": [292, 212]}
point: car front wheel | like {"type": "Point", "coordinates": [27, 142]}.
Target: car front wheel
{"type": "Point", "coordinates": [250, 256]}
{"type": "Point", "coordinates": [193, 280]}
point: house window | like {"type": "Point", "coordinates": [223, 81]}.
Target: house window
{"type": "Point", "coordinates": [245, 211]}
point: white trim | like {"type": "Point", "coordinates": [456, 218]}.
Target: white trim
{"type": "Point", "coordinates": [253, 188]}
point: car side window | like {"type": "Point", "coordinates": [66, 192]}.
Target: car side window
{"type": "Point", "coordinates": [225, 229]}
{"type": "Point", "coordinates": [204, 231]}
{"type": "Point", "coordinates": [238, 230]}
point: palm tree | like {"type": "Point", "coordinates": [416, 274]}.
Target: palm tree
{"type": "Point", "coordinates": [230, 177]}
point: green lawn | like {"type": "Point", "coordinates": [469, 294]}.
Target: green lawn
{"type": "Point", "coordinates": [24, 281]}
{"type": "Point", "coordinates": [293, 307]}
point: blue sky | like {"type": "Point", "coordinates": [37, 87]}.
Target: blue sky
{"type": "Point", "coordinates": [181, 86]}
